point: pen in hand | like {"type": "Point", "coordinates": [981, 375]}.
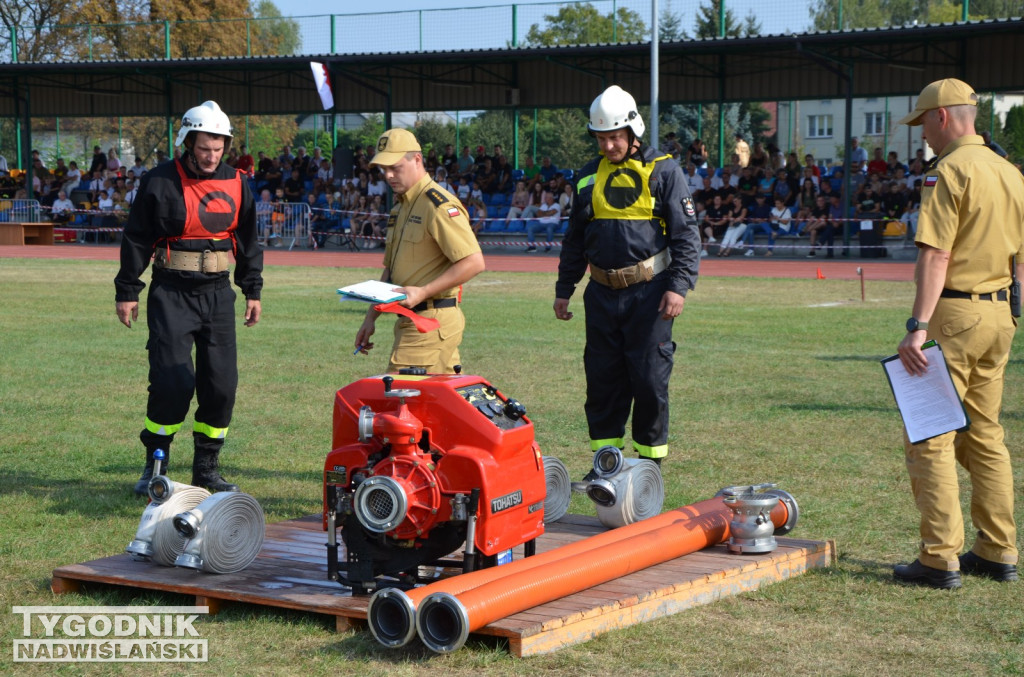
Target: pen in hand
{"type": "Point", "coordinates": [358, 348]}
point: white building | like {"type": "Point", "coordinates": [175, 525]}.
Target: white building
{"type": "Point", "coordinates": [817, 127]}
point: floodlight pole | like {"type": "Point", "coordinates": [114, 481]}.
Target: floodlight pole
{"type": "Point", "coordinates": [654, 137]}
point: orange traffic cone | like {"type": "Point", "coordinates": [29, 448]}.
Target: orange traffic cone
{"type": "Point", "coordinates": [820, 276]}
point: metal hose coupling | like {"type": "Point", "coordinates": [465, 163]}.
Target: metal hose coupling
{"type": "Point", "coordinates": [156, 538]}
{"type": "Point", "coordinates": [606, 464]}
{"type": "Point", "coordinates": [391, 615]}
{"type": "Point", "coordinates": [608, 461]}
{"type": "Point", "coordinates": [443, 622]}
{"type": "Point", "coordinates": [752, 529]}
{"type": "Point", "coordinates": [224, 533]}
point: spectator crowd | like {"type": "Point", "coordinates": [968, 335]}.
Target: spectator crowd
{"type": "Point", "coordinates": [760, 192]}
{"type": "Point", "coordinates": [102, 192]}
{"type": "Point", "coordinates": [493, 193]}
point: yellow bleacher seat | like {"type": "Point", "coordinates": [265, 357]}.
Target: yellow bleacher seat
{"type": "Point", "coordinates": [894, 229]}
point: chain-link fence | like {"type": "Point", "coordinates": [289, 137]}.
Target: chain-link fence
{"type": "Point", "coordinates": [462, 28]}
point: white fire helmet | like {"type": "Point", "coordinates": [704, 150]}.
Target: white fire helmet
{"type": "Point", "coordinates": [206, 117]}
{"type": "Point", "coordinates": [613, 109]}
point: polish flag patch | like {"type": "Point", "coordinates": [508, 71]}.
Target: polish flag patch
{"type": "Point", "coordinates": [453, 212]}
{"type": "Point", "coordinates": [930, 181]}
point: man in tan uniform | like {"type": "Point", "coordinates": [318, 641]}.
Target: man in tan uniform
{"type": "Point", "coordinates": [970, 227]}
{"type": "Point", "coordinates": [430, 252]}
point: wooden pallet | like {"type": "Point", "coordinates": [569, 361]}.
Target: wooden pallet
{"type": "Point", "coordinates": [291, 572]}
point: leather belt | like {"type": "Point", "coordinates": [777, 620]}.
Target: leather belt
{"type": "Point", "coordinates": [954, 294]}
{"type": "Point", "coordinates": [620, 278]}
{"type": "Point", "coordinates": [449, 302]}
{"type": "Point", "coordinates": [198, 262]}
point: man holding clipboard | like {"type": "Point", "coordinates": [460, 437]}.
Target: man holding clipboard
{"type": "Point", "coordinates": [971, 226]}
{"type": "Point", "coordinates": [430, 252]}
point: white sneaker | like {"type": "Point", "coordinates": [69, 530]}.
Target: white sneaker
{"type": "Point", "coordinates": [712, 240]}
{"type": "Point", "coordinates": [703, 253]}
{"type": "Point", "coordinates": [749, 252]}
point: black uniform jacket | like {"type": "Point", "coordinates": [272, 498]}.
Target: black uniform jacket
{"type": "Point", "coordinates": [157, 217]}
{"type": "Point", "coordinates": [611, 243]}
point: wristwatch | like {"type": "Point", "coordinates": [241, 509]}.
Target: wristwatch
{"type": "Point", "coordinates": [914, 324]}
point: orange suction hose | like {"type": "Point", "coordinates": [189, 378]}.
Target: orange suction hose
{"type": "Point", "coordinates": [445, 620]}
{"type": "Point", "coordinates": [392, 612]}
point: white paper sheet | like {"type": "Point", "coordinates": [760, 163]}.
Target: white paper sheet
{"type": "Point", "coordinates": [372, 291]}
{"type": "Point", "coordinates": [929, 404]}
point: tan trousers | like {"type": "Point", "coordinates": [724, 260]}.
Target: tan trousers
{"type": "Point", "coordinates": [975, 337]}
{"type": "Point", "coordinates": [437, 351]}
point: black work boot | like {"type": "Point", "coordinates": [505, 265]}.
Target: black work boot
{"type": "Point", "coordinates": [998, 571]}
{"type": "Point", "coordinates": [142, 486]}
{"type": "Point", "coordinates": [205, 464]}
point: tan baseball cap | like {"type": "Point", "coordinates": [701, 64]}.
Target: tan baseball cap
{"type": "Point", "coordinates": [393, 145]}
{"type": "Point", "coordinates": [940, 94]}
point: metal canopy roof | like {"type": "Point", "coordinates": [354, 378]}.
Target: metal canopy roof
{"type": "Point", "coordinates": [879, 62]}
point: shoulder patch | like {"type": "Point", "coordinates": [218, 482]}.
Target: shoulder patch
{"type": "Point", "coordinates": [930, 181]}
{"type": "Point", "coordinates": [436, 196]}
{"type": "Point", "coordinates": [688, 207]}
{"type": "Point", "coordinates": [453, 211]}
{"type": "Point", "coordinates": [585, 181]}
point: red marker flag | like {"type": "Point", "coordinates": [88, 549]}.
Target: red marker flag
{"type": "Point", "coordinates": [323, 84]}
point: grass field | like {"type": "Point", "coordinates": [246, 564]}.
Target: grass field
{"type": "Point", "coordinates": [775, 380]}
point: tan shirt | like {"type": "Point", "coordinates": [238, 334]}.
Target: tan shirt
{"type": "Point", "coordinates": [972, 205]}
{"type": "Point", "coordinates": [428, 231]}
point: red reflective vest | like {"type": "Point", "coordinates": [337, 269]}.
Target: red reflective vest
{"type": "Point", "coordinates": [211, 207]}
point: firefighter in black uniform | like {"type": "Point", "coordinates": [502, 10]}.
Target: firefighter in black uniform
{"type": "Point", "coordinates": [634, 224]}
{"type": "Point", "coordinates": [189, 216]}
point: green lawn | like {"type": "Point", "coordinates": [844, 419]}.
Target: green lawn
{"type": "Point", "coordinates": [775, 380]}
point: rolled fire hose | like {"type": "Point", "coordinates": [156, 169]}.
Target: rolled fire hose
{"type": "Point", "coordinates": [639, 494]}
{"type": "Point", "coordinates": [224, 532]}
{"type": "Point", "coordinates": [445, 620]}
{"type": "Point", "coordinates": [392, 612]}
{"type": "Point", "coordinates": [559, 489]}
{"type": "Point", "coordinates": [156, 538]}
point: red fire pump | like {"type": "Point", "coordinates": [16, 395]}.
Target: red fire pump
{"type": "Point", "coordinates": [422, 464]}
